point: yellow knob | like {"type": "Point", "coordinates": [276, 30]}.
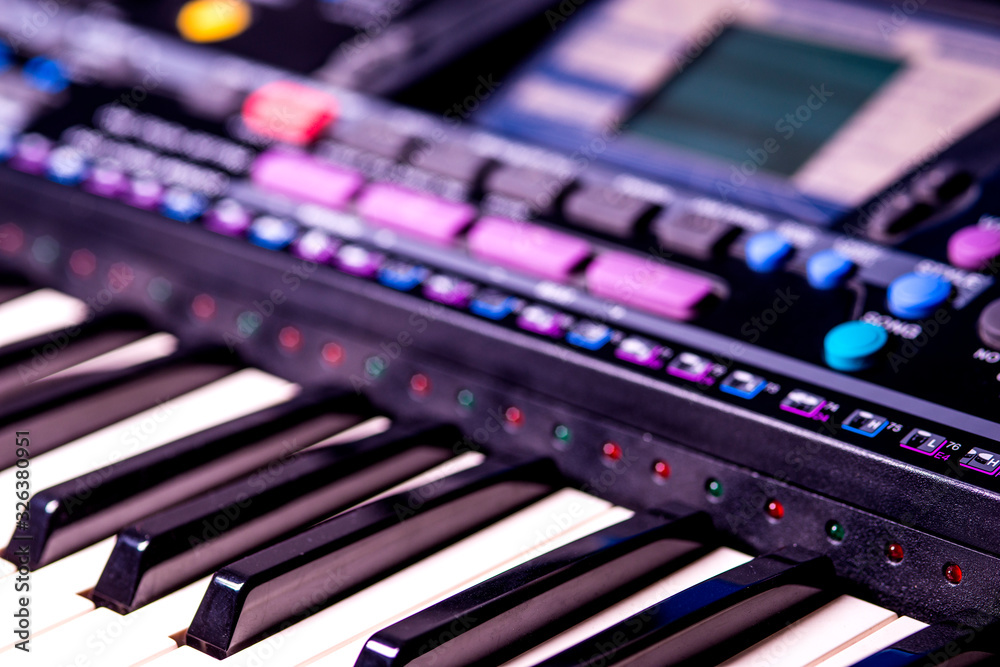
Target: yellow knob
{"type": "Point", "coordinates": [213, 20]}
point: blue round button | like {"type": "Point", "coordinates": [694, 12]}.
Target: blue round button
{"type": "Point", "coordinates": [913, 295]}
{"type": "Point", "coordinates": [765, 251]}
{"type": "Point", "coordinates": [46, 75]}
{"type": "Point", "coordinates": [852, 346]}
{"type": "Point", "coordinates": [828, 269]}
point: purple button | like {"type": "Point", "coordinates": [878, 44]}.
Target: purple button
{"type": "Point", "coordinates": [144, 192]}
{"type": "Point", "coordinates": [228, 217]}
{"type": "Point", "coordinates": [689, 366]}
{"type": "Point", "coordinates": [415, 213]}
{"type": "Point", "coordinates": [645, 284]}
{"type": "Point", "coordinates": [640, 351]}
{"type": "Point", "coordinates": [542, 320]}
{"type": "Point", "coordinates": [973, 248]}
{"type": "Point", "coordinates": [315, 246]}
{"type": "Point", "coordinates": [527, 247]}
{"type": "Point", "coordinates": [107, 180]}
{"type": "Point", "coordinates": [300, 176]}
{"type": "Point", "coordinates": [449, 290]}
{"type": "Point", "coordinates": [358, 261]}
{"type": "Point", "coordinates": [31, 153]}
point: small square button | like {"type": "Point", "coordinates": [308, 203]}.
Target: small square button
{"type": "Point", "coordinates": [641, 352]}
{"type": "Point", "coordinates": [923, 441]}
{"type": "Point", "coordinates": [589, 335]}
{"type": "Point", "coordinates": [802, 403]}
{"type": "Point", "coordinates": [743, 384]}
{"type": "Point", "coordinates": [690, 367]}
{"type": "Point", "coordinates": [864, 423]}
{"type": "Point", "coordinates": [981, 460]}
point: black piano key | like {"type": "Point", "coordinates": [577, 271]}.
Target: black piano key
{"type": "Point", "coordinates": [714, 620]}
{"type": "Point", "coordinates": [82, 511]}
{"type": "Point", "coordinates": [171, 548]}
{"type": "Point", "coordinates": [971, 639]}
{"type": "Point", "coordinates": [25, 362]}
{"type": "Point", "coordinates": [72, 408]}
{"type": "Point", "coordinates": [289, 580]}
{"type": "Point", "coordinates": [498, 619]}
{"type": "Point", "coordinates": [11, 291]}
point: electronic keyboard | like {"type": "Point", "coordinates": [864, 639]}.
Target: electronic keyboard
{"type": "Point", "coordinates": [629, 332]}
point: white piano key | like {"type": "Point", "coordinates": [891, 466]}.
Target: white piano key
{"type": "Point", "coordinates": [816, 636]}
{"type": "Point", "coordinates": [886, 636]}
{"type": "Point", "coordinates": [52, 594]}
{"type": "Point", "coordinates": [450, 467]}
{"type": "Point", "coordinates": [37, 313]}
{"type": "Point", "coordinates": [154, 346]}
{"type": "Point", "coordinates": [704, 568]}
{"type": "Point", "coordinates": [76, 573]}
{"type": "Point", "coordinates": [365, 429]}
{"type": "Point", "coordinates": [565, 516]}
{"type": "Point", "coordinates": [167, 616]}
{"type": "Point", "coordinates": [102, 637]}
{"type": "Point", "coordinates": [233, 396]}
{"type": "Point", "coordinates": [391, 605]}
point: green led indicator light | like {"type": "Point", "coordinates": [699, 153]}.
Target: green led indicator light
{"type": "Point", "coordinates": [835, 531]}
{"type": "Point", "coordinates": [466, 399]}
{"type": "Point", "coordinates": [714, 488]}
{"type": "Point", "coordinates": [45, 249]}
{"type": "Point", "coordinates": [248, 323]}
{"type": "Point", "coordinates": [159, 290]}
{"type": "Point", "coordinates": [375, 367]}
{"type": "Point", "coordinates": [562, 433]}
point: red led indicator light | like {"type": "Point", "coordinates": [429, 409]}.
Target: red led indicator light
{"type": "Point", "coordinates": [203, 307]}
{"type": "Point", "coordinates": [290, 339]}
{"type": "Point", "coordinates": [953, 573]}
{"type": "Point", "coordinates": [894, 552]}
{"type": "Point", "coordinates": [661, 469]}
{"type": "Point", "coordinates": [333, 354]}
{"type": "Point", "coordinates": [612, 451]}
{"type": "Point", "coordinates": [775, 509]}
{"type": "Point", "coordinates": [82, 263]}
{"type": "Point", "coordinates": [420, 384]}
{"type": "Point", "coordinates": [514, 416]}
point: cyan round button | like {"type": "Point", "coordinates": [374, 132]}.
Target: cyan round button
{"type": "Point", "coordinates": [828, 269]}
{"type": "Point", "coordinates": [852, 346]}
{"type": "Point", "coordinates": [765, 251]}
{"type": "Point", "coordinates": [913, 296]}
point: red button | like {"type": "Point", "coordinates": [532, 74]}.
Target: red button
{"type": "Point", "coordinates": [289, 112]}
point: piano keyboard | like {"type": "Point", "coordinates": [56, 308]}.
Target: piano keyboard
{"type": "Point", "coordinates": [229, 517]}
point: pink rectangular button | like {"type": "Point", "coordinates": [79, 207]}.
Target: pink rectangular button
{"type": "Point", "coordinates": [415, 212]}
{"type": "Point", "coordinates": [527, 247]}
{"type": "Point", "coordinates": [647, 285]}
{"type": "Point", "coordinates": [301, 176]}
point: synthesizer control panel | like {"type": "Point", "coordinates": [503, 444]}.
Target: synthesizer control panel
{"type": "Point", "coordinates": [536, 280]}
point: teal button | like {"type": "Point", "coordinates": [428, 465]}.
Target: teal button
{"type": "Point", "coordinates": [913, 296]}
{"type": "Point", "coordinates": [852, 346]}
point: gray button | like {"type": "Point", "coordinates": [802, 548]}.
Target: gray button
{"type": "Point", "coordinates": [981, 460]}
{"type": "Point", "coordinates": [374, 137]}
{"type": "Point", "coordinates": [693, 235]}
{"type": "Point", "coordinates": [538, 188]}
{"type": "Point", "coordinates": [989, 324]}
{"type": "Point", "coordinates": [451, 160]}
{"type": "Point", "coordinates": [606, 210]}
